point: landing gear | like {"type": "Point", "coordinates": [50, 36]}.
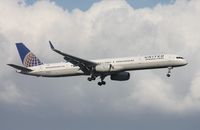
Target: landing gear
{"type": "Point", "coordinates": [91, 78]}
{"type": "Point", "coordinates": [102, 82]}
{"type": "Point", "coordinates": [102, 77]}
{"type": "Point", "coordinates": [169, 71]}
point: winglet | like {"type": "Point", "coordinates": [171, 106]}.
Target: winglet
{"type": "Point", "coordinates": [51, 45]}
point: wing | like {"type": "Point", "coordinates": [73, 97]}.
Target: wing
{"type": "Point", "coordinates": [85, 65]}
{"type": "Point", "coordinates": [20, 68]}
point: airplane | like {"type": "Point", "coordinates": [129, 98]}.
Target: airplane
{"type": "Point", "coordinates": [116, 68]}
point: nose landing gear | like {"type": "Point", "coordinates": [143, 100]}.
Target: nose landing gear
{"type": "Point", "coordinates": [168, 75]}
{"type": "Point", "coordinates": [169, 71]}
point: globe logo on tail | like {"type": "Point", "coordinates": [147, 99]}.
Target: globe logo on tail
{"type": "Point", "coordinates": [31, 60]}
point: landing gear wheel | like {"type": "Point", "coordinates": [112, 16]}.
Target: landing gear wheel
{"type": "Point", "coordinates": [89, 79]}
{"type": "Point", "coordinates": [169, 71]}
{"type": "Point", "coordinates": [99, 83]}
{"type": "Point", "coordinates": [103, 83]}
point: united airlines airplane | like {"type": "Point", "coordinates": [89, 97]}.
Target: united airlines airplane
{"type": "Point", "coordinates": [74, 66]}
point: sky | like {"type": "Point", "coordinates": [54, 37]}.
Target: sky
{"type": "Point", "coordinates": [72, 4]}
{"type": "Point", "coordinates": [101, 29]}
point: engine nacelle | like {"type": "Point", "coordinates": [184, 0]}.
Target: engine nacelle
{"type": "Point", "coordinates": [122, 76]}
{"type": "Point", "coordinates": [103, 68]}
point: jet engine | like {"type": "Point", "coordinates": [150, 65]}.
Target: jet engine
{"type": "Point", "coordinates": [122, 76]}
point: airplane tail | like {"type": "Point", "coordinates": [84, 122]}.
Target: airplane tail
{"type": "Point", "coordinates": [27, 57]}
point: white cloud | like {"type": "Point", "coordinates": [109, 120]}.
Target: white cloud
{"type": "Point", "coordinates": [153, 93]}
{"type": "Point", "coordinates": [192, 99]}
{"type": "Point", "coordinates": [107, 29]}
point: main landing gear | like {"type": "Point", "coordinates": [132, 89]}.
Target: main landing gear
{"type": "Point", "coordinates": [91, 78]}
{"type": "Point", "coordinates": [169, 71]}
{"type": "Point", "coordinates": [102, 82]}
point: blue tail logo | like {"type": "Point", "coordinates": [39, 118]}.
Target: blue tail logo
{"type": "Point", "coordinates": [27, 57]}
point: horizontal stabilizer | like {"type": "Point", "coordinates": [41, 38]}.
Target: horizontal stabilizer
{"type": "Point", "coordinates": [20, 67]}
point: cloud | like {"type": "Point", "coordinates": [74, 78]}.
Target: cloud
{"type": "Point", "coordinates": [158, 95]}
{"type": "Point", "coordinates": [9, 94]}
{"type": "Point", "coordinates": [108, 29]}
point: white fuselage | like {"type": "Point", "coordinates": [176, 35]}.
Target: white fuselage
{"type": "Point", "coordinates": [117, 65]}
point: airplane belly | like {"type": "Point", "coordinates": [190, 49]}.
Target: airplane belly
{"type": "Point", "coordinates": [66, 72]}
{"type": "Point", "coordinates": [59, 72]}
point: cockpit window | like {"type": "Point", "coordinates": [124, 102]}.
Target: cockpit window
{"type": "Point", "coordinates": [179, 58]}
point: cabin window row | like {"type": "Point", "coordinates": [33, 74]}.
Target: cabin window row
{"type": "Point", "coordinates": [179, 58]}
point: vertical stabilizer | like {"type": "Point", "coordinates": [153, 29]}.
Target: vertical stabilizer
{"type": "Point", "coordinates": [27, 57]}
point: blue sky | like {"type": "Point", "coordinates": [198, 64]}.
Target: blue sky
{"type": "Point", "coordinates": [85, 4]}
